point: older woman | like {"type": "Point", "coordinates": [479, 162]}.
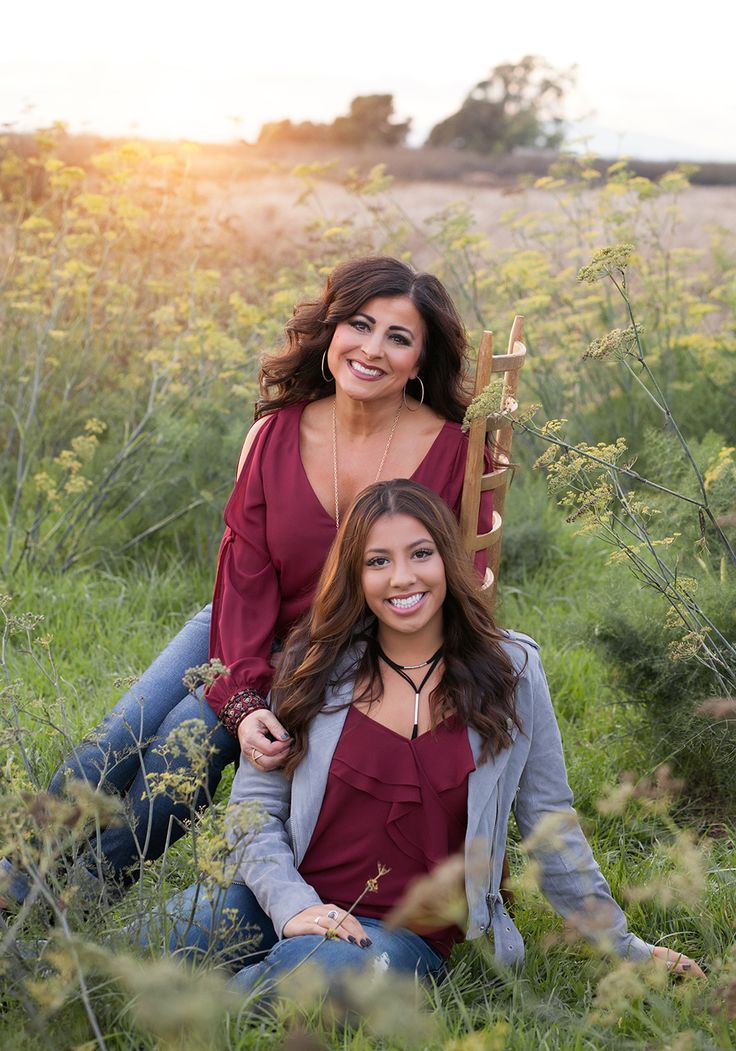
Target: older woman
{"type": "Point", "coordinates": [369, 385]}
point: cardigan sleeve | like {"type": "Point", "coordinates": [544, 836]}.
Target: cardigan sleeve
{"type": "Point", "coordinates": [262, 855]}
{"type": "Point", "coordinates": [246, 599]}
{"type": "Point", "coordinates": [571, 879]}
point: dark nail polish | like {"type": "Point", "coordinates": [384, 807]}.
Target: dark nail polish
{"type": "Point", "coordinates": [368, 943]}
{"type": "Point", "coordinates": [285, 736]}
{"type": "Point", "coordinates": [364, 943]}
{"type": "Point", "coordinates": [352, 940]}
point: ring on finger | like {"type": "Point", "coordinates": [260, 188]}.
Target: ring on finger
{"type": "Point", "coordinates": [332, 914]}
{"type": "Point", "coordinates": [669, 964]}
{"type": "Point", "coordinates": [255, 756]}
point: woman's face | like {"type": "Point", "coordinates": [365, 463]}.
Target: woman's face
{"type": "Point", "coordinates": [375, 352]}
{"type": "Point", "coordinates": [403, 577]}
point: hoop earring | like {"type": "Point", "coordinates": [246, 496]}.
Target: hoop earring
{"type": "Point", "coordinates": [326, 378]}
{"type": "Point", "coordinates": [403, 393]}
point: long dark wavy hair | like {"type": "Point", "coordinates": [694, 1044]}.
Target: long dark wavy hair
{"type": "Point", "coordinates": [479, 679]}
{"type": "Point", "coordinates": [295, 374]}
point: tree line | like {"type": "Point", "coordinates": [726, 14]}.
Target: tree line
{"type": "Point", "coordinates": [517, 105]}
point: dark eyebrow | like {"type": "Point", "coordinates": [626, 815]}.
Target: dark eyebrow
{"type": "Point", "coordinates": [385, 551]}
{"type": "Point", "coordinates": [391, 328]}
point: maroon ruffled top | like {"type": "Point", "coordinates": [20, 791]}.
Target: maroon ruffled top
{"type": "Point", "coordinates": [276, 541]}
{"type": "Point", "coordinates": [391, 800]}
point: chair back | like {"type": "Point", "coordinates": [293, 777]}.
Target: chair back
{"type": "Point", "coordinates": [497, 433]}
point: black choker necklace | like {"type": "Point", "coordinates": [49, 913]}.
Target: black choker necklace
{"type": "Point", "coordinates": [401, 669]}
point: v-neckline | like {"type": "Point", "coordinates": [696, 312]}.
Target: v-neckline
{"type": "Point", "coordinates": [395, 733]}
{"type": "Point", "coordinates": [311, 488]}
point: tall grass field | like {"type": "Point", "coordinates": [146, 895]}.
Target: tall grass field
{"type": "Point", "coordinates": [136, 297]}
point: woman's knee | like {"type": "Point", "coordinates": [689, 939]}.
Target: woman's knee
{"type": "Point", "coordinates": [211, 922]}
{"type": "Point", "coordinates": [86, 762]}
{"type": "Point", "coordinates": [176, 746]}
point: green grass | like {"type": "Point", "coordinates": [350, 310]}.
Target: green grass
{"type": "Point", "coordinates": [107, 626]}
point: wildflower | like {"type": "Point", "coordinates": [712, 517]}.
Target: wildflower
{"type": "Point", "coordinates": [617, 799]}
{"type": "Point", "coordinates": [495, 1039]}
{"type": "Point", "coordinates": [618, 343]}
{"type": "Point", "coordinates": [204, 674]}
{"type": "Point", "coordinates": [375, 182]}
{"type": "Point", "coordinates": [685, 880]}
{"type": "Point", "coordinates": [548, 456]}
{"type": "Point", "coordinates": [181, 1007]}
{"type": "Point", "coordinates": [592, 923]}
{"type": "Point", "coordinates": [548, 835]}
{"type": "Point", "coordinates": [485, 404]}
{"type": "Point", "coordinates": [95, 426]}
{"type": "Point", "coordinates": [624, 987]}
{"type": "Point", "coordinates": [435, 900]}
{"type": "Point", "coordinates": [371, 885]}
{"type": "Point", "coordinates": [605, 260]}
{"type": "Point", "coordinates": [552, 427]}
{"type": "Point", "coordinates": [688, 646]}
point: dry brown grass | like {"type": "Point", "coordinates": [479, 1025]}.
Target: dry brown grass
{"type": "Point", "coordinates": [266, 207]}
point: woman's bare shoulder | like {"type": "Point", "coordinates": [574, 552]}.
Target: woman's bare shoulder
{"type": "Point", "coordinates": [249, 439]}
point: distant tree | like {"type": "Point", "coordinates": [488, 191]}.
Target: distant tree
{"type": "Point", "coordinates": [287, 131]}
{"type": "Point", "coordinates": [368, 122]}
{"type": "Point", "coordinates": [516, 105]}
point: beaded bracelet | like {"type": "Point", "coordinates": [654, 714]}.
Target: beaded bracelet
{"type": "Point", "coordinates": [240, 704]}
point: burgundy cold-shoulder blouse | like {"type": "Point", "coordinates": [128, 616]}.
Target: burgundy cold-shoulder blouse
{"type": "Point", "coordinates": [276, 541]}
{"type": "Point", "coordinates": [391, 800]}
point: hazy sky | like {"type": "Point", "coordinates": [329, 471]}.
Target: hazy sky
{"type": "Point", "coordinates": [654, 78]}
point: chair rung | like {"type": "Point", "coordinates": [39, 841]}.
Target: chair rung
{"type": "Point", "coordinates": [485, 540]}
{"type": "Point", "coordinates": [509, 362]}
{"type": "Point", "coordinates": [493, 479]}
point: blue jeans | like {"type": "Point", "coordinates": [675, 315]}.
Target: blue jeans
{"type": "Point", "coordinates": [230, 925]}
{"type": "Point", "coordinates": [127, 747]}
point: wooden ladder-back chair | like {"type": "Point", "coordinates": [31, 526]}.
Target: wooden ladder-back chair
{"type": "Point", "coordinates": [498, 434]}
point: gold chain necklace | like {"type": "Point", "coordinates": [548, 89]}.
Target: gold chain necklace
{"type": "Point", "coordinates": [334, 455]}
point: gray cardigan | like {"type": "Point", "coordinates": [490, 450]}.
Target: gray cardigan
{"type": "Point", "coordinates": [529, 777]}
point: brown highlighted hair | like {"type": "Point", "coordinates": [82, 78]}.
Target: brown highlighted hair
{"type": "Point", "coordinates": [479, 679]}
{"type": "Point", "coordinates": [295, 374]}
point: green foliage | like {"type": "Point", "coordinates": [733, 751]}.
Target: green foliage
{"type": "Point", "coordinates": [671, 534]}
{"type": "Point", "coordinates": [516, 105]}
{"type": "Point", "coordinates": [653, 668]}
{"type": "Point", "coordinates": [122, 348]}
{"type": "Point", "coordinates": [85, 971]}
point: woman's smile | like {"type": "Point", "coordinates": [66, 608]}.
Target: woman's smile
{"type": "Point", "coordinates": [365, 372]}
{"type": "Point", "coordinates": [406, 603]}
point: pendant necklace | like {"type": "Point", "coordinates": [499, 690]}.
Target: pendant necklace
{"type": "Point", "coordinates": [334, 456]}
{"type": "Point", "coordinates": [401, 669]}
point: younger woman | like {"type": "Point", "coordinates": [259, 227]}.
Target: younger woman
{"type": "Point", "coordinates": [417, 726]}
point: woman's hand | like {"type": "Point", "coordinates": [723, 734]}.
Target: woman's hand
{"type": "Point", "coordinates": [260, 750]}
{"type": "Point", "coordinates": [319, 919]}
{"type": "Point", "coordinates": [676, 962]}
